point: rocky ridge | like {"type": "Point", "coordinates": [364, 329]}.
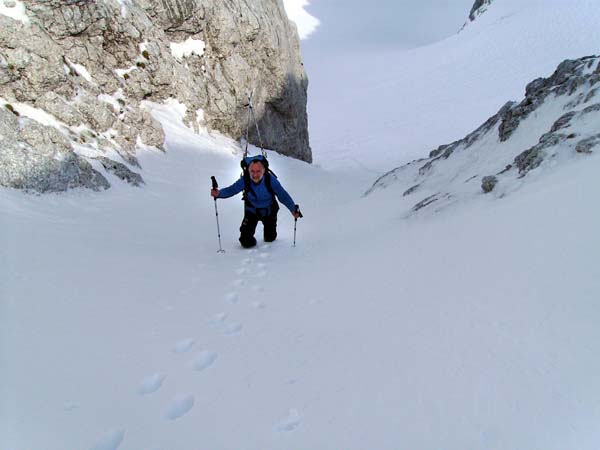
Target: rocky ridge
{"type": "Point", "coordinates": [558, 120]}
{"type": "Point", "coordinates": [78, 79]}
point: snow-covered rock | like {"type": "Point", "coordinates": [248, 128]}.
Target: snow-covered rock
{"type": "Point", "coordinates": [479, 7]}
{"type": "Point", "coordinates": [38, 158]}
{"type": "Point", "coordinates": [558, 120]}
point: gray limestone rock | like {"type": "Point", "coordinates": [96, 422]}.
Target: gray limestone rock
{"type": "Point", "coordinates": [488, 183]}
{"type": "Point", "coordinates": [479, 7]}
{"type": "Point", "coordinates": [134, 124]}
{"type": "Point", "coordinates": [431, 199]}
{"type": "Point", "coordinates": [121, 171]}
{"type": "Point", "coordinates": [58, 106]}
{"type": "Point", "coordinates": [533, 157]}
{"type": "Point", "coordinates": [569, 76]}
{"type": "Point", "coordinates": [563, 122]}
{"type": "Point", "coordinates": [426, 202]}
{"type": "Point", "coordinates": [38, 159]}
{"type": "Point", "coordinates": [9, 126]}
{"type": "Point", "coordinates": [411, 190]}
{"type": "Point", "coordinates": [586, 145]}
{"type": "Point", "coordinates": [529, 159]}
{"type": "Point", "coordinates": [47, 140]}
{"type": "Point", "coordinates": [77, 57]}
{"type": "Point", "coordinates": [97, 114]}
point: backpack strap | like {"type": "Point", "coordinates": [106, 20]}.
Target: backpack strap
{"type": "Point", "coordinates": [268, 174]}
{"type": "Point", "coordinates": [246, 176]}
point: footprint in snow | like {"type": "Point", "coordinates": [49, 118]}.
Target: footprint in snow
{"type": "Point", "coordinates": [231, 329]}
{"type": "Point", "coordinates": [247, 261]}
{"type": "Point", "coordinates": [290, 422]}
{"type": "Point", "coordinates": [218, 318]}
{"type": "Point", "coordinates": [179, 406]}
{"type": "Point", "coordinates": [203, 360]}
{"type": "Point", "coordinates": [241, 271]}
{"type": "Point", "coordinates": [110, 441]}
{"type": "Point", "coordinates": [184, 345]}
{"type": "Point", "coordinates": [151, 384]}
{"type": "Point", "coordinates": [261, 265]}
{"type": "Point", "coordinates": [233, 297]}
{"type": "Point", "coordinates": [264, 255]}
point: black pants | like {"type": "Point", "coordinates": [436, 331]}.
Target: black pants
{"type": "Point", "coordinates": [248, 227]}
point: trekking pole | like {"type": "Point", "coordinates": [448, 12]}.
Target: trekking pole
{"type": "Point", "coordinates": [262, 147]}
{"type": "Point", "coordinates": [296, 210]}
{"type": "Point", "coordinates": [216, 186]}
{"type": "Point", "coordinates": [248, 124]}
{"type": "Point", "coordinates": [252, 116]}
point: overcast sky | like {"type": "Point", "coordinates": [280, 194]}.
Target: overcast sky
{"type": "Point", "coordinates": [346, 25]}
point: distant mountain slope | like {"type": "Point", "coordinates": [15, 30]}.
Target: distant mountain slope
{"type": "Point", "coordinates": [558, 121]}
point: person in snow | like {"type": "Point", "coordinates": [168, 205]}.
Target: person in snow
{"type": "Point", "coordinates": [260, 203]}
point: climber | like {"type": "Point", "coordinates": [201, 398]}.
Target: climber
{"type": "Point", "coordinates": [261, 190]}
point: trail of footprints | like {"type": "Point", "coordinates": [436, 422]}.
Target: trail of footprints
{"type": "Point", "coordinates": [253, 267]}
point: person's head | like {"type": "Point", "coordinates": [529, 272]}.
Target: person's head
{"type": "Point", "coordinates": [257, 170]}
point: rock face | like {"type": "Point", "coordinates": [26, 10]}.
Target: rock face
{"type": "Point", "coordinates": [87, 67]}
{"type": "Point", "coordinates": [498, 155]}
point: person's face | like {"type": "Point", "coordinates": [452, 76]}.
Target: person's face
{"type": "Point", "coordinates": [256, 171]}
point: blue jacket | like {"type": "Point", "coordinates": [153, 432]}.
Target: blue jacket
{"type": "Point", "coordinates": [259, 196]}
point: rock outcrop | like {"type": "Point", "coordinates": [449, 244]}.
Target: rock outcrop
{"type": "Point", "coordinates": [38, 158]}
{"type": "Point", "coordinates": [479, 7]}
{"type": "Point", "coordinates": [88, 69]}
{"type": "Point", "coordinates": [498, 155]}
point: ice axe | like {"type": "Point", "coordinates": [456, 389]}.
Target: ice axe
{"type": "Point", "coordinates": [215, 185]}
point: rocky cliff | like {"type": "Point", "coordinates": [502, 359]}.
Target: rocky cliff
{"type": "Point", "coordinates": [558, 121]}
{"type": "Point", "coordinates": [80, 73]}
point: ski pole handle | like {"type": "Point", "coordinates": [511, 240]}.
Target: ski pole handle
{"type": "Point", "coordinates": [297, 210]}
{"type": "Point", "coordinates": [214, 182]}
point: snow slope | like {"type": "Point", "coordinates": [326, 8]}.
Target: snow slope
{"type": "Point", "coordinates": [121, 327]}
